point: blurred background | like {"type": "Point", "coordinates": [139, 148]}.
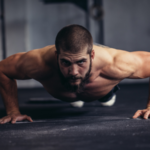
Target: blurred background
{"type": "Point", "coordinates": [31, 24]}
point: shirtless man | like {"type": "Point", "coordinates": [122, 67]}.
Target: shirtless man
{"type": "Point", "coordinates": [73, 69]}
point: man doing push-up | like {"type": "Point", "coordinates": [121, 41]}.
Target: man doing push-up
{"type": "Point", "coordinates": [73, 69]}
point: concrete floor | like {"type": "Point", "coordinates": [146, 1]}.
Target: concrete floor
{"type": "Point", "coordinates": [58, 126]}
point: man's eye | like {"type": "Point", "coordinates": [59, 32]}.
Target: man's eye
{"type": "Point", "coordinates": [66, 63]}
{"type": "Point", "coordinates": [80, 62]}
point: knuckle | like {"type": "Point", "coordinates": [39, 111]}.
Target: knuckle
{"type": "Point", "coordinates": [139, 110]}
{"type": "Point", "coordinates": [146, 114]}
{"type": "Point", "coordinates": [14, 118]}
{"type": "Point", "coordinates": [5, 121]}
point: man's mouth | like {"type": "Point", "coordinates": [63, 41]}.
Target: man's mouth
{"type": "Point", "coordinates": [74, 80]}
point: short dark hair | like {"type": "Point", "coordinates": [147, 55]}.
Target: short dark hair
{"type": "Point", "coordinates": [74, 38]}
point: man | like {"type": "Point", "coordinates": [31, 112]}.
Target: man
{"type": "Point", "coordinates": [73, 69]}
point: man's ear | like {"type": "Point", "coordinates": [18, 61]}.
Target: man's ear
{"type": "Point", "coordinates": [92, 54]}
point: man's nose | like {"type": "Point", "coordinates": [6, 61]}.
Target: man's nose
{"type": "Point", "coordinates": [73, 70]}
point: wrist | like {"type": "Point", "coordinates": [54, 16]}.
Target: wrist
{"type": "Point", "coordinates": [13, 112]}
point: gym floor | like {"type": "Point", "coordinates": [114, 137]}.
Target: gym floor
{"type": "Point", "coordinates": [59, 126]}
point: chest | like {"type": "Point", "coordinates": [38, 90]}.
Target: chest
{"type": "Point", "coordinates": [92, 91]}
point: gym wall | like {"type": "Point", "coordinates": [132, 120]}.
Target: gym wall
{"type": "Point", "coordinates": [31, 24]}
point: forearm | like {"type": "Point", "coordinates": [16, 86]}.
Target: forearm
{"type": "Point", "coordinates": [145, 113]}
{"type": "Point", "coordinates": [148, 102]}
{"type": "Point", "coordinates": [8, 90]}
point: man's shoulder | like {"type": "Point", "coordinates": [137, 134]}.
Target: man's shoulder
{"type": "Point", "coordinates": [48, 56]}
{"type": "Point", "coordinates": [36, 61]}
{"type": "Point", "coordinates": [42, 55]}
{"type": "Point", "coordinates": [103, 56]}
{"type": "Point", "coordinates": [114, 63]}
{"type": "Point", "coordinates": [105, 52]}
{"type": "Point", "coordinates": [124, 64]}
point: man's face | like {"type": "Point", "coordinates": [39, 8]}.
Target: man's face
{"type": "Point", "coordinates": [74, 69]}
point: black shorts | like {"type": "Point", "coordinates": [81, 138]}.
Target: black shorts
{"type": "Point", "coordinates": [110, 94]}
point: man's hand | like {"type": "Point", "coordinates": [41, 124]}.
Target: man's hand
{"type": "Point", "coordinates": [145, 113]}
{"type": "Point", "coordinates": [14, 117]}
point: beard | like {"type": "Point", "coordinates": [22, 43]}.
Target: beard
{"type": "Point", "coordinates": [75, 88]}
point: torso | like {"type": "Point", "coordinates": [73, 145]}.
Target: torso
{"type": "Point", "coordinates": [100, 83]}
{"type": "Point", "coordinates": [93, 91]}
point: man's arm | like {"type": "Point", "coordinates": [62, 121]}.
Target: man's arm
{"type": "Point", "coordinates": [138, 67]}
{"type": "Point", "coordinates": [18, 66]}
{"type": "Point", "coordinates": [145, 112]}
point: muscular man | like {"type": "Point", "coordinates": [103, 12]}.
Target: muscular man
{"type": "Point", "coordinates": [73, 69]}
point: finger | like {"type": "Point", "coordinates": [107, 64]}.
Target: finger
{"type": "Point", "coordinates": [1, 122]}
{"type": "Point", "coordinates": [8, 119]}
{"type": "Point", "coordinates": [2, 119]}
{"type": "Point", "coordinates": [29, 119]}
{"type": "Point", "coordinates": [137, 114]}
{"type": "Point", "coordinates": [24, 117]}
{"type": "Point", "coordinates": [14, 120]}
{"type": "Point", "coordinates": [146, 115]}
